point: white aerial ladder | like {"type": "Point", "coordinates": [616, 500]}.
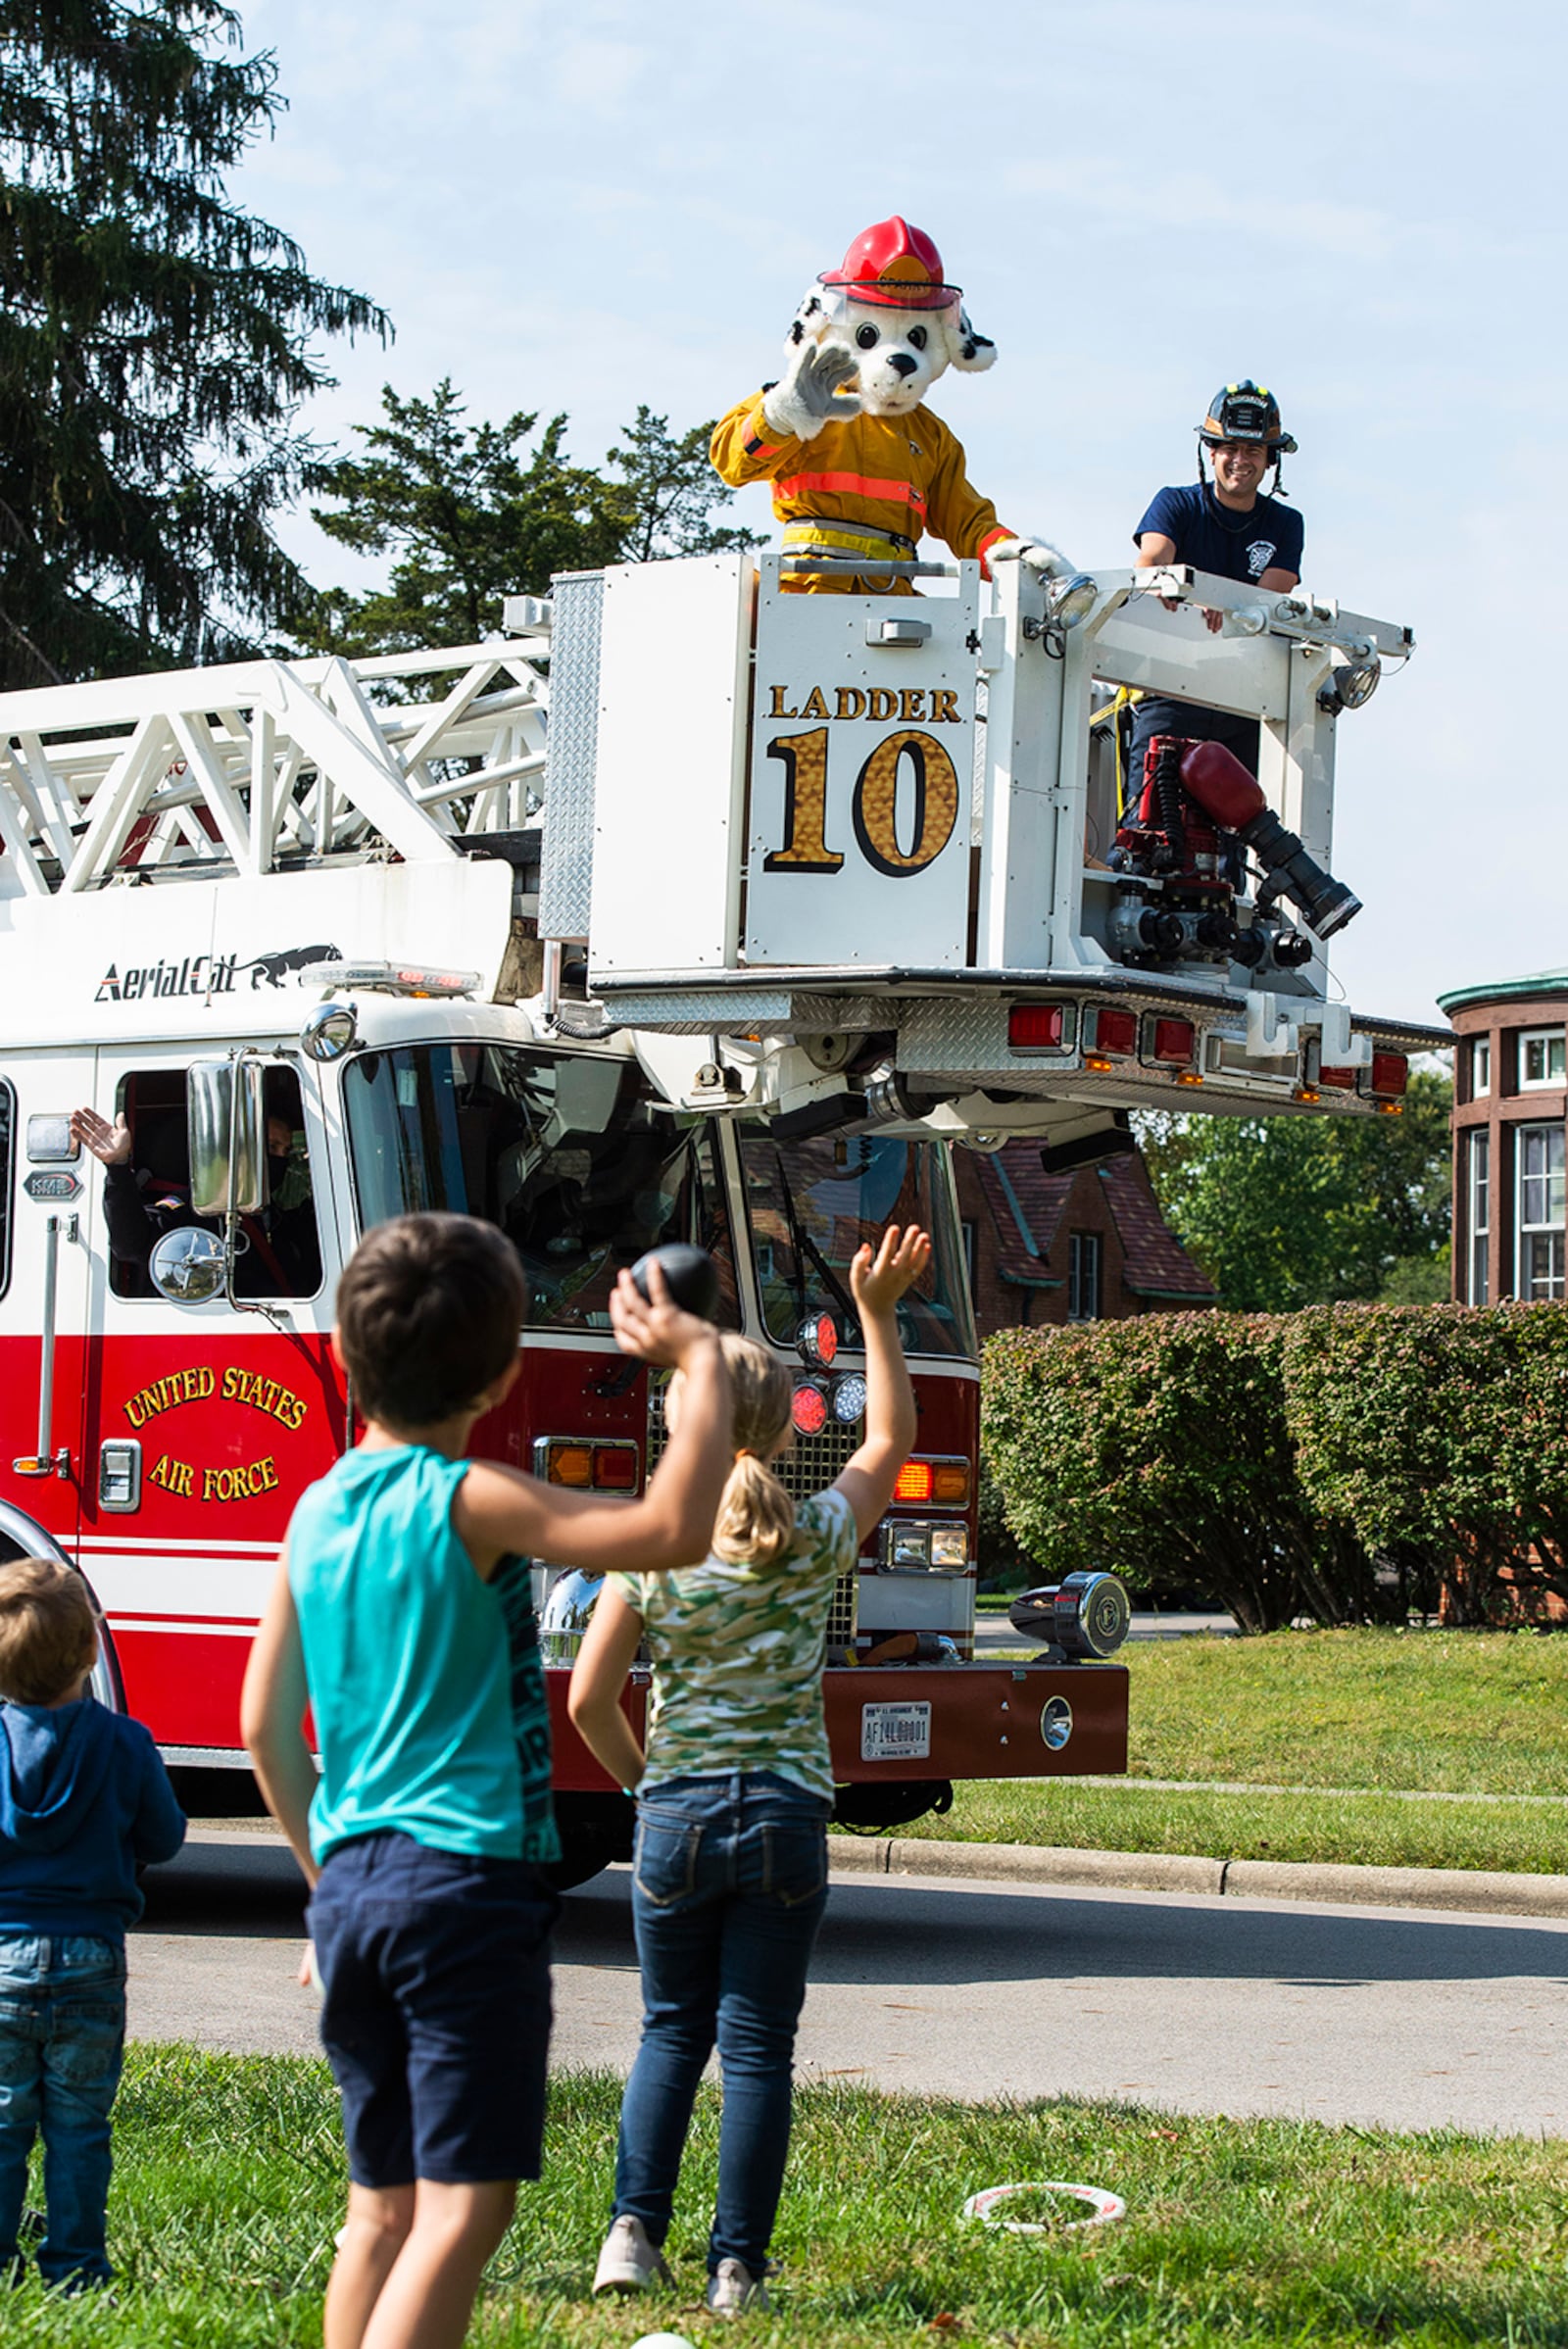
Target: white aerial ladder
{"type": "Point", "coordinates": [836, 859]}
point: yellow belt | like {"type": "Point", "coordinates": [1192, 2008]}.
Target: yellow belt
{"type": "Point", "coordinates": [850, 538]}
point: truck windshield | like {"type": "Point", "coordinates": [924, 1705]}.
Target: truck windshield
{"type": "Point", "coordinates": [811, 1204]}
{"type": "Point", "coordinates": [565, 1152]}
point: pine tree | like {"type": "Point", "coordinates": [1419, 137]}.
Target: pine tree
{"type": "Point", "coordinates": [469, 516]}
{"type": "Point", "coordinates": [673, 490]}
{"type": "Point", "coordinates": [155, 342]}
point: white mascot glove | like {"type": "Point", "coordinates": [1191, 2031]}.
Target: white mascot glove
{"type": "Point", "coordinates": [1037, 553]}
{"type": "Point", "coordinates": [805, 396]}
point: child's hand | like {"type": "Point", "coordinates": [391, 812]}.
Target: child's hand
{"type": "Point", "coordinates": [877, 1281]}
{"type": "Point", "coordinates": [655, 1329]}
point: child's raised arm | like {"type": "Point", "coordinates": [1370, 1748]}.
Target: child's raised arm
{"type": "Point", "coordinates": [877, 1283]}
{"type": "Point", "coordinates": [499, 1510]}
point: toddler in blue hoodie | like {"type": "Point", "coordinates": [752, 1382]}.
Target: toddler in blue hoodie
{"type": "Point", "coordinates": [84, 1802]}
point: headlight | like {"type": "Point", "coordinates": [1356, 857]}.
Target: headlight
{"type": "Point", "coordinates": [916, 1546]}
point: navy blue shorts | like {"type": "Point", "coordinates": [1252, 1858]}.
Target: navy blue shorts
{"type": "Point", "coordinates": [436, 2018]}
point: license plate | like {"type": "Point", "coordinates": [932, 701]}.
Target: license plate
{"type": "Point", "coordinates": [895, 1733]}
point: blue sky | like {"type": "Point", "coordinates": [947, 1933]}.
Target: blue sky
{"type": "Point", "coordinates": [583, 208]}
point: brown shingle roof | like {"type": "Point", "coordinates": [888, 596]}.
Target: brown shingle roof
{"type": "Point", "coordinates": [1026, 1207]}
{"type": "Point", "coordinates": [1157, 1264]}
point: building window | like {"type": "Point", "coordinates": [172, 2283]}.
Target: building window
{"type": "Point", "coordinates": [1538, 1176]}
{"type": "Point", "coordinates": [971, 1252]}
{"type": "Point", "coordinates": [1480, 1068]}
{"type": "Point", "coordinates": [1542, 1058]}
{"type": "Point", "coordinates": [1479, 1216]}
{"type": "Point", "coordinates": [1083, 1275]}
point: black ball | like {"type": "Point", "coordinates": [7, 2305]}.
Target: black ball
{"type": "Point", "coordinates": [690, 1274]}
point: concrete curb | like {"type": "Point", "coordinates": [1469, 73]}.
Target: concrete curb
{"type": "Point", "coordinates": [1450, 1889]}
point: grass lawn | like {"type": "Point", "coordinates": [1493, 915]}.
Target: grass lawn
{"type": "Point", "coordinates": [1369, 1831]}
{"type": "Point", "coordinates": [229, 2181]}
{"type": "Point", "coordinates": [1371, 1715]}
{"type": "Point", "coordinates": [1456, 1712]}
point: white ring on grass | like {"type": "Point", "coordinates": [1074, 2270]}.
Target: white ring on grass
{"type": "Point", "coordinates": [1103, 2206]}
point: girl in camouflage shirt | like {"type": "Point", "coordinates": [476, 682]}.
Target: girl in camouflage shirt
{"type": "Point", "coordinates": [734, 1793]}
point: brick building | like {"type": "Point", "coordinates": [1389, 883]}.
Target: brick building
{"type": "Point", "coordinates": [1510, 1097]}
{"type": "Point", "coordinates": [1088, 1245]}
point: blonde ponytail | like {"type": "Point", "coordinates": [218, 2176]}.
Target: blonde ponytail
{"type": "Point", "coordinates": [755, 1520]}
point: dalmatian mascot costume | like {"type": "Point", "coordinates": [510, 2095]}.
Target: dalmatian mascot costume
{"type": "Point", "coordinates": [858, 466]}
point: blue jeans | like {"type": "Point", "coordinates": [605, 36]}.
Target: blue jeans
{"type": "Point", "coordinates": [730, 1882]}
{"type": "Point", "coordinates": [62, 2038]}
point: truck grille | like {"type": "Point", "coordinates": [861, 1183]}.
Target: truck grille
{"type": "Point", "coordinates": [811, 1465]}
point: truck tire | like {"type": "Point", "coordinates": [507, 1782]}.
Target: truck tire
{"type": "Point", "coordinates": [595, 1831]}
{"type": "Point", "coordinates": [21, 1537]}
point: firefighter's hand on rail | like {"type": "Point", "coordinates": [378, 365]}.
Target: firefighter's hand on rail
{"type": "Point", "coordinates": [653, 1328]}
{"type": "Point", "coordinates": [878, 1281]}
{"type": "Point", "coordinates": [810, 392]}
{"type": "Point", "coordinates": [1035, 554]}
{"type": "Point", "coordinates": [108, 1143]}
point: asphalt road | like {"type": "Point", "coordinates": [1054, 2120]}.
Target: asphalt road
{"type": "Point", "coordinates": [1393, 2018]}
{"type": "Point", "coordinates": [994, 1632]}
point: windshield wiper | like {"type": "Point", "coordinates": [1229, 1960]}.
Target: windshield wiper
{"type": "Point", "coordinates": [804, 1246]}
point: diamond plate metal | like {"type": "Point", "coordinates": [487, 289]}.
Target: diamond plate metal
{"type": "Point", "coordinates": [935, 1035]}
{"type": "Point", "coordinates": [572, 741]}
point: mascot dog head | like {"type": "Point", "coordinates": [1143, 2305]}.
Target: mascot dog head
{"type": "Point", "coordinates": [888, 305]}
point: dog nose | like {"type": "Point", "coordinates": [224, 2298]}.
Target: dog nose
{"type": "Point", "coordinates": [902, 363]}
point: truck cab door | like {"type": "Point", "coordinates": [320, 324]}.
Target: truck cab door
{"type": "Point", "coordinates": [43, 1296]}
{"type": "Point", "coordinates": [205, 1420]}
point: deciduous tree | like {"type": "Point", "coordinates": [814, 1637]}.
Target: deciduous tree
{"type": "Point", "coordinates": [1288, 1211]}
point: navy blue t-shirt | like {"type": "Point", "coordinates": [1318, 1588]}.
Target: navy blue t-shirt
{"type": "Point", "coordinates": [1236, 546]}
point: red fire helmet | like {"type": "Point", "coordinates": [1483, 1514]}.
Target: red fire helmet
{"type": "Point", "coordinates": [893, 263]}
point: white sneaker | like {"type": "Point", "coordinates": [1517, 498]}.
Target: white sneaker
{"type": "Point", "coordinates": [735, 2289]}
{"type": "Point", "coordinates": [627, 2261]}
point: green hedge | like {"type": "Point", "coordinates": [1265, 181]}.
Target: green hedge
{"type": "Point", "coordinates": [1345, 1463]}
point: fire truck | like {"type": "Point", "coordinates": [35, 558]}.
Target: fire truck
{"type": "Point", "coordinates": [686, 909]}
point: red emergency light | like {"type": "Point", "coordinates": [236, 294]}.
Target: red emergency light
{"type": "Point", "coordinates": [809, 1407]}
{"type": "Point", "coordinates": [1175, 1043]}
{"type": "Point", "coordinates": [1341, 1080]}
{"type": "Point", "coordinates": [1116, 1032]}
{"type": "Point", "coordinates": [1037, 1027]}
{"type": "Point", "coordinates": [1388, 1076]}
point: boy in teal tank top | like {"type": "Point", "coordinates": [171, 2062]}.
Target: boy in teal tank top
{"type": "Point", "coordinates": [401, 1616]}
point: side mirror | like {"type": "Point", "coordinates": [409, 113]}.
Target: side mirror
{"type": "Point", "coordinates": [329, 1031]}
{"type": "Point", "coordinates": [228, 1137]}
{"type": "Point", "coordinates": [189, 1266]}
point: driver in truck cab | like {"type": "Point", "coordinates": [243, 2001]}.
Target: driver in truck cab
{"type": "Point", "coordinates": [280, 1251]}
{"type": "Point", "coordinates": [1227, 525]}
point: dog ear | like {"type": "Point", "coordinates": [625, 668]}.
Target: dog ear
{"type": "Point", "coordinates": [970, 352]}
{"type": "Point", "coordinates": [809, 323]}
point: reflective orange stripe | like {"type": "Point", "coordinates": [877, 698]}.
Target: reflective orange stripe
{"type": "Point", "coordinates": [991, 539]}
{"type": "Point", "coordinates": [852, 485]}
{"type": "Point", "coordinates": [755, 428]}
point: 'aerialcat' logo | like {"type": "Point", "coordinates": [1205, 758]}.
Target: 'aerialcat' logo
{"type": "Point", "coordinates": [198, 974]}
{"type": "Point", "coordinates": [208, 975]}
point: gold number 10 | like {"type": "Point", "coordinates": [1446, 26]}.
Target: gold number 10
{"type": "Point", "coordinates": [876, 807]}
